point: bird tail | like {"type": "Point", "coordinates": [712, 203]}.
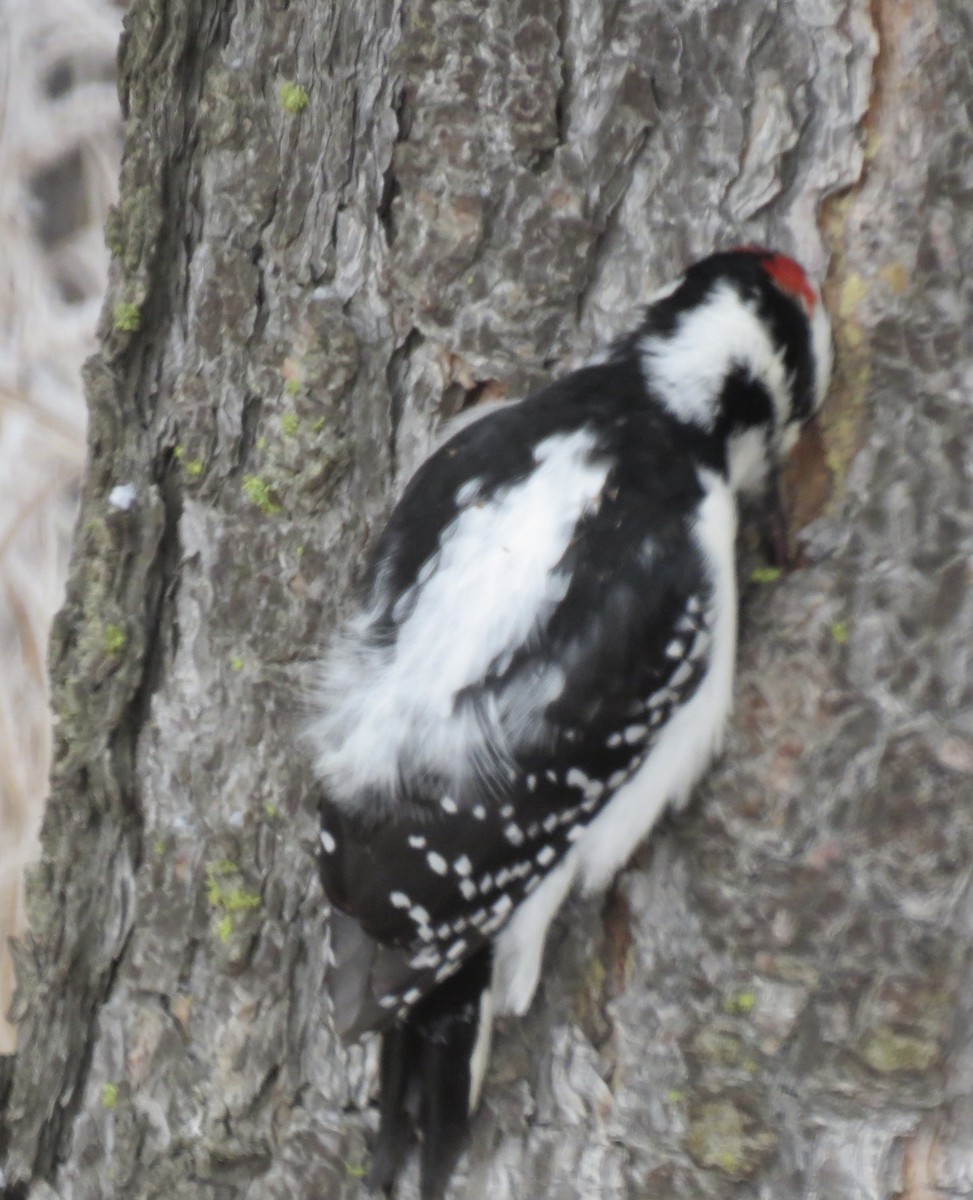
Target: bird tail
{"type": "Point", "coordinates": [431, 1069]}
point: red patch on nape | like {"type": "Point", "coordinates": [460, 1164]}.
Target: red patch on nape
{"type": "Point", "coordinates": [789, 275]}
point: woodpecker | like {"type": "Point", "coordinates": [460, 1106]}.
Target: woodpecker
{"type": "Point", "coordinates": [539, 665]}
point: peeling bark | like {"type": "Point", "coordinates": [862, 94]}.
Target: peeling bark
{"type": "Point", "coordinates": [776, 998]}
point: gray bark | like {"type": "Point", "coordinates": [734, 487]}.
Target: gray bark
{"type": "Point", "coordinates": [776, 998]}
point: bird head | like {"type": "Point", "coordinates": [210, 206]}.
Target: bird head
{"type": "Point", "coordinates": [739, 350]}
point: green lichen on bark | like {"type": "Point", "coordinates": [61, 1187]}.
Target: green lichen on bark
{"type": "Point", "coordinates": [228, 896]}
{"type": "Point", "coordinates": [294, 98]}
{"type": "Point", "coordinates": [725, 1137]}
{"type": "Point", "coordinates": [261, 493]}
{"type": "Point", "coordinates": [127, 317]}
{"type": "Point", "coordinates": [887, 1050]}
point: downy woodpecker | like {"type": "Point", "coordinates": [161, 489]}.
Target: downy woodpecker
{"type": "Point", "coordinates": [540, 663]}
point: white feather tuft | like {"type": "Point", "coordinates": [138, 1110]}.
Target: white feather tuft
{"type": "Point", "coordinates": [388, 710]}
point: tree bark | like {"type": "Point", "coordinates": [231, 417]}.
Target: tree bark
{"type": "Point", "coordinates": [336, 227]}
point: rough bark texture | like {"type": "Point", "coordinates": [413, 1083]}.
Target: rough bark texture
{"type": "Point", "coordinates": [777, 998]}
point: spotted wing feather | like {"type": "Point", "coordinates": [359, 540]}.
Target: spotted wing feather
{"type": "Point", "coordinates": [434, 876]}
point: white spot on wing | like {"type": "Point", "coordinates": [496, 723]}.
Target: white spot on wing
{"type": "Point", "coordinates": [437, 862]}
{"type": "Point", "coordinates": [427, 957]}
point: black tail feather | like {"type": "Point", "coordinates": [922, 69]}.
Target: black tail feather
{"type": "Point", "coordinates": [444, 1111]}
{"type": "Point", "coordinates": [427, 1070]}
{"type": "Point", "coordinates": [395, 1133]}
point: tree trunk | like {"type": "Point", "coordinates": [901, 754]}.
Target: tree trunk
{"type": "Point", "coordinates": [334, 228]}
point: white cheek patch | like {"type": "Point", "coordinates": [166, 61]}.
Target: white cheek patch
{"type": "Point", "coordinates": [687, 370]}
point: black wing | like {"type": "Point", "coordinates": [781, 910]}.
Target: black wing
{"type": "Point", "coordinates": [431, 881]}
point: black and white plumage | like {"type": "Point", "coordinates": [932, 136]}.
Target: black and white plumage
{"type": "Point", "coordinates": [541, 663]}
